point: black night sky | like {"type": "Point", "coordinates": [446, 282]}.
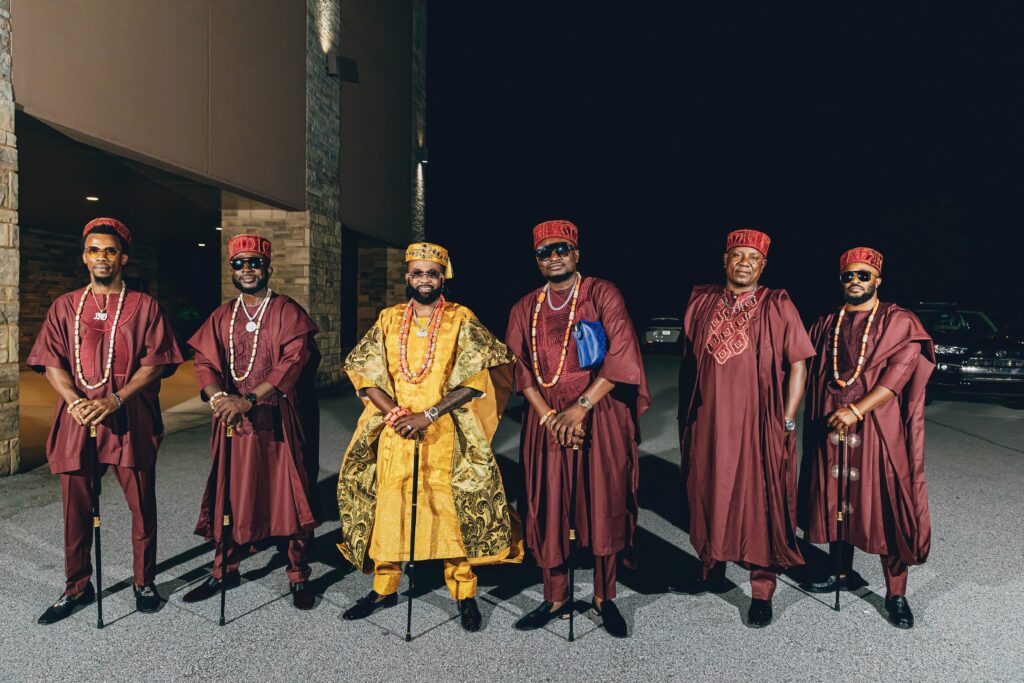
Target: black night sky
{"type": "Point", "coordinates": [658, 127]}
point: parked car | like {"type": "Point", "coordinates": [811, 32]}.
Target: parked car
{"type": "Point", "coordinates": [974, 355]}
{"type": "Point", "coordinates": [662, 334]}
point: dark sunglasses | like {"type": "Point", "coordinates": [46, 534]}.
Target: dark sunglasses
{"type": "Point", "coordinates": [254, 262]}
{"type": "Point", "coordinates": [106, 251]}
{"type": "Point", "coordinates": [430, 274]}
{"type": "Point", "coordinates": [558, 248]}
{"type": "Point", "coordinates": [862, 275]}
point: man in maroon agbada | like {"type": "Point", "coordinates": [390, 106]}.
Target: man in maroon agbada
{"type": "Point", "coordinates": [104, 349]}
{"type": "Point", "coordinates": [741, 382]}
{"type": "Point", "coordinates": [868, 378]}
{"type": "Point", "coordinates": [256, 362]}
{"type": "Point", "coordinates": [595, 409]}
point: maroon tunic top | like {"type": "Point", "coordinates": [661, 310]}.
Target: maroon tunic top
{"type": "Point", "coordinates": [275, 454]}
{"type": "Point", "coordinates": [888, 495]}
{"type": "Point", "coordinates": [608, 476]}
{"type": "Point", "coordinates": [131, 436]}
{"type": "Point", "coordinates": [738, 463]}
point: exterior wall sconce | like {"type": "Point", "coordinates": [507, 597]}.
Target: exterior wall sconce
{"type": "Point", "coordinates": [342, 68]}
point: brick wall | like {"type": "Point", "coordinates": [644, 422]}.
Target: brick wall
{"type": "Point", "coordinates": [9, 266]}
{"type": "Point", "coordinates": [381, 282]}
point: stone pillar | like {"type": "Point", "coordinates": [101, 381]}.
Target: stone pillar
{"type": "Point", "coordinates": [307, 244]}
{"type": "Point", "coordinates": [381, 282]}
{"type": "Point", "coordinates": [419, 119]}
{"type": "Point", "coordinates": [9, 257]}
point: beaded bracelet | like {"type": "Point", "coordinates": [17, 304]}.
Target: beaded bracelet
{"type": "Point", "coordinates": [75, 403]}
{"type": "Point", "coordinates": [547, 416]}
{"type": "Point", "coordinates": [860, 415]}
{"type": "Point", "coordinates": [213, 399]}
{"type": "Point", "coordinates": [120, 403]}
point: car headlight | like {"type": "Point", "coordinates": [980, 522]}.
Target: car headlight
{"type": "Point", "coordinates": [949, 350]}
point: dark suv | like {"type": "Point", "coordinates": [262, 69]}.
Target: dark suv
{"type": "Point", "coordinates": [973, 354]}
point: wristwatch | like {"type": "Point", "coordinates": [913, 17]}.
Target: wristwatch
{"type": "Point", "coordinates": [790, 424]}
{"type": "Point", "coordinates": [251, 398]}
{"type": "Point", "coordinates": [585, 402]}
{"type": "Point", "coordinates": [432, 413]}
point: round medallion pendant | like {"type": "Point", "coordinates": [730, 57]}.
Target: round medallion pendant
{"type": "Point", "coordinates": [100, 315]}
{"type": "Point", "coordinates": [250, 326]}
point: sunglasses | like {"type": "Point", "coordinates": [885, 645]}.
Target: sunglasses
{"type": "Point", "coordinates": [254, 262]}
{"type": "Point", "coordinates": [431, 274]}
{"type": "Point", "coordinates": [105, 251]}
{"type": "Point", "coordinates": [862, 275]}
{"type": "Point", "coordinates": [558, 248]}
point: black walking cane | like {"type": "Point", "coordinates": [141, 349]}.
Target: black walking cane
{"type": "Point", "coordinates": [576, 454]}
{"type": "Point", "coordinates": [412, 535]}
{"type": "Point", "coordinates": [96, 540]}
{"type": "Point", "coordinates": [225, 528]}
{"type": "Point", "coordinates": [840, 508]}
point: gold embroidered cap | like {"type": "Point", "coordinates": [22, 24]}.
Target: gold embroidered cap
{"type": "Point", "coordinates": [425, 251]}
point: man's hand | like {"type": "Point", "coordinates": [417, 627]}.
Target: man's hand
{"type": "Point", "coordinates": [565, 426]}
{"type": "Point", "coordinates": [842, 419]}
{"type": "Point", "coordinates": [411, 426]}
{"type": "Point", "coordinates": [76, 413]}
{"type": "Point", "coordinates": [230, 409]}
{"type": "Point", "coordinates": [94, 411]}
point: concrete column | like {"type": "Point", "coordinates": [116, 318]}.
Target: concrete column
{"type": "Point", "coordinates": [9, 257]}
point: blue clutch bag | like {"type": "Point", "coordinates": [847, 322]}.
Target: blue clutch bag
{"type": "Point", "coordinates": [591, 342]}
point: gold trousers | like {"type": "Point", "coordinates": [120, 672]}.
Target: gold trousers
{"type": "Point", "coordinates": [458, 576]}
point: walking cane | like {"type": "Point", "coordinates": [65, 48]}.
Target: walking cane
{"type": "Point", "coordinates": [225, 528]}
{"type": "Point", "coordinates": [412, 535]}
{"type": "Point", "coordinates": [576, 454]}
{"type": "Point", "coordinates": [840, 508]}
{"type": "Point", "coordinates": [96, 540]}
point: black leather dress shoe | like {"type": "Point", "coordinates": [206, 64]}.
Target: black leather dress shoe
{"type": "Point", "coordinates": [364, 607]}
{"type": "Point", "coordinates": [147, 600]}
{"type": "Point", "coordinates": [211, 586]}
{"type": "Point", "coordinates": [760, 613]}
{"type": "Point", "coordinates": [303, 595]}
{"type": "Point", "coordinates": [900, 615]}
{"type": "Point", "coordinates": [469, 613]}
{"type": "Point", "coordinates": [540, 616]}
{"type": "Point", "coordinates": [611, 619]}
{"type": "Point", "coordinates": [850, 582]}
{"type": "Point", "coordinates": [65, 607]}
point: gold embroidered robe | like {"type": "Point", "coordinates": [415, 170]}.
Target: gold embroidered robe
{"type": "Point", "coordinates": [463, 510]}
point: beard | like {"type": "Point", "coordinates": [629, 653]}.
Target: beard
{"type": "Point", "coordinates": [260, 284]}
{"type": "Point", "coordinates": [423, 299]}
{"type": "Point", "coordinates": [561, 277]}
{"type": "Point", "coordinates": [869, 292]}
{"type": "Point", "coordinates": [105, 280]}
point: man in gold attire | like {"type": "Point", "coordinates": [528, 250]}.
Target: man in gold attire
{"type": "Point", "coordinates": [434, 377]}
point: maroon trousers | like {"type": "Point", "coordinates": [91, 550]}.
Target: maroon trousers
{"type": "Point", "coordinates": [556, 580]}
{"type": "Point", "coordinates": [893, 568]}
{"type": "Point", "coordinates": [762, 581]}
{"type": "Point", "coordinates": [139, 492]}
{"type": "Point", "coordinates": [298, 558]}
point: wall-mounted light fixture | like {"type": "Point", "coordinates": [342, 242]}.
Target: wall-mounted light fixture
{"type": "Point", "coordinates": [342, 68]}
{"type": "Point", "coordinates": [423, 155]}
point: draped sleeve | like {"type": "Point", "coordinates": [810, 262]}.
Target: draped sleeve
{"type": "Point", "coordinates": [50, 349]}
{"type": "Point", "coordinates": [367, 363]}
{"type": "Point", "coordinates": [159, 346]}
{"type": "Point", "coordinates": [295, 332]}
{"type": "Point", "coordinates": [517, 338]}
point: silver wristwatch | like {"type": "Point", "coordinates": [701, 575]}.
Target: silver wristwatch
{"type": "Point", "coordinates": [790, 424]}
{"type": "Point", "coordinates": [432, 413]}
{"type": "Point", "coordinates": [585, 402]}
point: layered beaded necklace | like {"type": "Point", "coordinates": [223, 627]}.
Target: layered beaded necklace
{"type": "Point", "coordinates": [863, 346]}
{"type": "Point", "coordinates": [261, 310]}
{"type": "Point", "coordinates": [403, 342]}
{"type": "Point", "coordinates": [542, 295]}
{"type": "Point", "coordinates": [78, 339]}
